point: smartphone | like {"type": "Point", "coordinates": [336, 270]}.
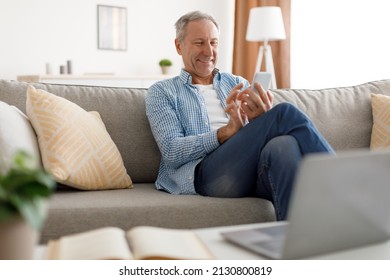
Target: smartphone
{"type": "Point", "coordinates": [263, 78]}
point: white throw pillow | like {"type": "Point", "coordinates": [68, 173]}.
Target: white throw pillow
{"type": "Point", "coordinates": [16, 133]}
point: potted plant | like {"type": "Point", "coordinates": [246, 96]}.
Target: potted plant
{"type": "Point", "coordinates": [165, 64]}
{"type": "Point", "coordinates": [24, 189]}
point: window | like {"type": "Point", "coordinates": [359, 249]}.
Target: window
{"type": "Point", "coordinates": [339, 42]}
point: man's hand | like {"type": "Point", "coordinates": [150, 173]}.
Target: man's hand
{"type": "Point", "coordinates": [255, 103]}
{"type": "Point", "coordinates": [242, 105]}
{"type": "Point", "coordinates": [236, 115]}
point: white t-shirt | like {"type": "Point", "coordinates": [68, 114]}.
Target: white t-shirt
{"type": "Point", "coordinates": [217, 114]}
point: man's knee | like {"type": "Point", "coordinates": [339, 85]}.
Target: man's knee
{"type": "Point", "coordinates": [284, 106]}
{"type": "Point", "coordinates": [283, 147]}
{"type": "Point", "coordinates": [289, 111]}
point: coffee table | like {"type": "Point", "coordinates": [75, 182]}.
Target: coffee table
{"type": "Point", "coordinates": [224, 250]}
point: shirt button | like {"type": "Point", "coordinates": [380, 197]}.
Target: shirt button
{"type": "Point", "coordinates": [190, 178]}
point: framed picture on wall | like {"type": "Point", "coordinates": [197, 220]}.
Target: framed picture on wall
{"type": "Point", "coordinates": [112, 28]}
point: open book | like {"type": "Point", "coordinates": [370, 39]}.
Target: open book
{"type": "Point", "coordinates": [143, 243]}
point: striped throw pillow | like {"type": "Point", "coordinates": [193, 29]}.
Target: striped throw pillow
{"type": "Point", "coordinates": [74, 144]}
{"type": "Point", "coordinates": [380, 135]}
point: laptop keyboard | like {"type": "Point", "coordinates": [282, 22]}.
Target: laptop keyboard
{"type": "Point", "coordinates": [277, 232]}
{"type": "Point", "coordinates": [271, 245]}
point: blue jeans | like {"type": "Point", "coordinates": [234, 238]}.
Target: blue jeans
{"type": "Point", "coordinates": [262, 158]}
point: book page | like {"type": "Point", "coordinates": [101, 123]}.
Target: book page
{"type": "Point", "coordinates": [161, 243]}
{"type": "Point", "coordinates": [104, 243]}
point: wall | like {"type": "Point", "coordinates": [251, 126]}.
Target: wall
{"type": "Point", "coordinates": [339, 43]}
{"type": "Point", "coordinates": [40, 31]}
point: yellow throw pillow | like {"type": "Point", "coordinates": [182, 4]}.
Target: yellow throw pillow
{"type": "Point", "coordinates": [380, 136]}
{"type": "Point", "coordinates": [74, 144]}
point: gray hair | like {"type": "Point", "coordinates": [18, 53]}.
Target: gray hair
{"type": "Point", "coordinates": [182, 22]}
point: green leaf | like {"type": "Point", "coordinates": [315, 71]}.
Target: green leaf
{"type": "Point", "coordinates": [32, 210]}
{"type": "Point", "coordinates": [23, 161]}
{"type": "Point", "coordinates": [46, 180]}
{"type": "Point", "coordinates": [23, 190]}
{"type": "Point", "coordinates": [6, 211]}
{"type": "Point", "coordinates": [34, 190]}
{"type": "Point", "coordinates": [3, 193]}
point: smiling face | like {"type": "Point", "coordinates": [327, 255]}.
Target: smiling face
{"type": "Point", "coordinates": [199, 50]}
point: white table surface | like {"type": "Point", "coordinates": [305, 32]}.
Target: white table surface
{"type": "Point", "coordinates": [224, 250]}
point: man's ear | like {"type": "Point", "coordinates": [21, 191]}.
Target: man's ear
{"type": "Point", "coordinates": [178, 46]}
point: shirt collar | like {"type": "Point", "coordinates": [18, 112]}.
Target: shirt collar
{"type": "Point", "coordinates": [187, 78]}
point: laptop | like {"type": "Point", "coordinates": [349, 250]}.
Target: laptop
{"type": "Point", "coordinates": [339, 202]}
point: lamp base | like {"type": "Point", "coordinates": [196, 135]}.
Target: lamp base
{"type": "Point", "coordinates": [266, 52]}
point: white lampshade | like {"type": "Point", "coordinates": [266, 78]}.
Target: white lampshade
{"type": "Point", "coordinates": [265, 24]}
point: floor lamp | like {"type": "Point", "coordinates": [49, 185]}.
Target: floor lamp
{"type": "Point", "coordinates": [265, 24]}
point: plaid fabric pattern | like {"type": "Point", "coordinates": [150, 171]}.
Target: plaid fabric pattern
{"type": "Point", "coordinates": [179, 122]}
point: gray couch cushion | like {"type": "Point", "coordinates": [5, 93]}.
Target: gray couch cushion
{"type": "Point", "coordinates": [123, 113]}
{"type": "Point", "coordinates": [74, 211]}
{"type": "Point", "coordinates": [343, 115]}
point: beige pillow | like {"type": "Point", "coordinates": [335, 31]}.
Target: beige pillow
{"type": "Point", "coordinates": [16, 133]}
{"type": "Point", "coordinates": [380, 136]}
{"type": "Point", "coordinates": [75, 145]}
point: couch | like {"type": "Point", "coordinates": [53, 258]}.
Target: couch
{"type": "Point", "coordinates": [343, 115]}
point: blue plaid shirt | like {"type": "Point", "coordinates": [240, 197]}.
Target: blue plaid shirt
{"type": "Point", "coordinates": [178, 118]}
